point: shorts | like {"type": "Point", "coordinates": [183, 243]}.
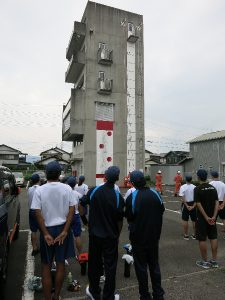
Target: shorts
{"type": "Point", "coordinates": [57, 252]}
{"type": "Point", "coordinates": [186, 213]}
{"type": "Point", "coordinates": [204, 230]}
{"type": "Point", "coordinates": [33, 221]}
{"type": "Point", "coordinates": [221, 214]}
{"type": "Point", "coordinates": [76, 225]}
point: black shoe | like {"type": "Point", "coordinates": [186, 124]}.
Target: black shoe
{"type": "Point", "coordinates": [35, 252]}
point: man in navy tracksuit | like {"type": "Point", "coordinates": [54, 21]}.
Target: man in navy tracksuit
{"type": "Point", "coordinates": [105, 224]}
{"type": "Point", "coordinates": [144, 212]}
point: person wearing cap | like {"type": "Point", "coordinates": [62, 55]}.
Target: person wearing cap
{"type": "Point", "coordinates": [188, 207]}
{"type": "Point", "coordinates": [206, 198]}
{"type": "Point", "coordinates": [34, 182]}
{"type": "Point", "coordinates": [54, 205]}
{"type": "Point", "coordinates": [105, 224]}
{"type": "Point", "coordinates": [158, 184]}
{"type": "Point", "coordinates": [144, 213]}
{"type": "Point", "coordinates": [178, 181]}
{"type": "Point", "coordinates": [76, 221]}
{"type": "Point", "coordinates": [220, 187]}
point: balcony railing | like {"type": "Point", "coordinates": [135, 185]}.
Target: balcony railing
{"type": "Point", "coordinates": [75, 67]}
{"type": "Point", "coordinates": [132, 35]}
{"type": "Point", "coordinates": [76, 40]}
{"type": "Point", "coordinates": [105, 86]}
{"type": "Point", "coordinates": [105, 56]}
{"type": "Point", "coordinates": [73, 117]}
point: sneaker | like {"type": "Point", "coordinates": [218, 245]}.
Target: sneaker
{"type": "Point", "coordinates": [66, 262]}
{"type": "Point", "coordinates": [102, 279]}
{"type": "Point", "coordinates": [116, 297]}
{"type": "Point", "coordinates": [214, 263]}
{"type": "Point", "coordinates": [203, 264]}
{"type": "Point", "coordinates": [88, 293]}
{"type": "Point", "coordinates": [186, 237]}
{"type": "Point", "coordinates": [193, 236]}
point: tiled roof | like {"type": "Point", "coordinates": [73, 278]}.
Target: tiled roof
{"type": "Point", "coordinates": [209, 136]}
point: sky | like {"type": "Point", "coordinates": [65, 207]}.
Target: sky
{"type": "Point", "coordinates": [184, 46]}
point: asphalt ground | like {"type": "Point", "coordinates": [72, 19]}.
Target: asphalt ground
{"type": "Point", "coordinates": [181, 278]}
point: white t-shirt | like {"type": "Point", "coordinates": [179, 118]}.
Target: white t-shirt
{"type": "Point", "coordinates": [30, 193]}
{"type": "Point", "coordinates": [54, 200]}
{"type": "Point", "coordinates": [77, 196]}
{"type": "Point", "coordinates": [81, 189]}
{"type": "Point", "coordinates": [220, 187]}
{"type": "Point", "coordinates": [131, 190]}
{"type": "Point", "coordinates": [187, 191]}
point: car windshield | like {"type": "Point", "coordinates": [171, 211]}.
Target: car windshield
{"type": "Point", "coordinates": [18, 174]}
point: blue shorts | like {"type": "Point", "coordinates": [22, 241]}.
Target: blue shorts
{"type": "Point", "coordinates": [33, 221]}
{"type": "Point", "coordinates": [57, 252]}
{"type": "Point", "coordinates": [76, 225]}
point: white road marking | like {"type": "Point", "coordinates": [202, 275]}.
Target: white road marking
{"type": "Point", "coordinates": [29, 271]}
{"type": "Point", "coordinates": [135, 286]}
{"type": "Point", "coordinates": [24, 230]}
{"type": "Point", "coordinates": [178, 212]}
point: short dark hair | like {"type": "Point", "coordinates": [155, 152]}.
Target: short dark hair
{"type": "Point", "coordinates": [53, 174]}
{"type": "Point", "coordinates": [202, 174]}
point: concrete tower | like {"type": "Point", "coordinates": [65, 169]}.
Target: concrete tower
{"type": "Point", "coordinates": [104, 117]}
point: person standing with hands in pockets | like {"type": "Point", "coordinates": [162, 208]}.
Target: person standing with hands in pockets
{"type": "Point", "coordinates": [54, 207]}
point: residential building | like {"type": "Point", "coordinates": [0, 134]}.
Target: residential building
{"type": "Point", "coordinates": [206, 151]}
{"type": "Point", "coordinates": [10, 157]}
{"type": "Point", "coordinates": [174, 157]}
{"type": "Point", "coordinates": [104, 117]}
{"type": "Point", "coordinates": [60, 153]}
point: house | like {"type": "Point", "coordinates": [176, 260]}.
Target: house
{"type": "Point", "coordinates": [60, 153]}
{"type": "Point", "coordinates": [174, 157]}
{"type": "Point", "coordinates": [150, 159]}
{"type": "Point", "coordinates": [11, 157]}
{"type": "Point", "coordinates": [52, 154]}
{"type": "Point", "coordinates": [206, 151]}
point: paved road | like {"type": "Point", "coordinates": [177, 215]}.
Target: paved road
{"type": "Point", "coordinates": [182, 279]}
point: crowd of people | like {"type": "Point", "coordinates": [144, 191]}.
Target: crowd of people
{"type": "Point", "coordinates": [57, 208]}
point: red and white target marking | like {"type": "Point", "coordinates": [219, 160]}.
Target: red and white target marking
{"type": "Point", "coordinates": [104, 148]}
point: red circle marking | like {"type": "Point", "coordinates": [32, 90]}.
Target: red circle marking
{"type": "Point", "coordinates": [101, 146]}
{"type": "Point", "coordinates": [109, 158]}
{"type": "Point", "coordinates": [109, 133]}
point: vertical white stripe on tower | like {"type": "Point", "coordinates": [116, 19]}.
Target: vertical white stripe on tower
{"type": "Point", "coordinates": [131, 115]}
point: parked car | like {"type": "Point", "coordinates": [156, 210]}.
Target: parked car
{"type": "Point", "coordinates": [9, 216]}
{"type": "Point", "coordinates": [19, 178]}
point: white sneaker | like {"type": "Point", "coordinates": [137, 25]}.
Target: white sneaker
{"type": "Point", "coordinates": [116, 297]}
{"type": "Point", "coordinates": [102, 279]}
{"type": "Point", "coordinates": [88, 293]}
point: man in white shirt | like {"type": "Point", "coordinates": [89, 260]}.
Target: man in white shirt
{"type": "Point", "coordinates": [188, 207]}
{"type": "Point", "coordinates": [130, 191]}
{"type": "Point", "coordinates": [55, 206]}
{"type": "Point", "coordinates": [220, 187]}
{"type": "Point", "coordinates": [34, 182]}
{"type": "Point", "coordinates": [76, 221]}
{"type": "Point", "coordinates": [82, 189]}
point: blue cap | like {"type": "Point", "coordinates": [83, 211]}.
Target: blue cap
{"type": "Point", "coordinates": [137, 176]}
{"type": "Point", "coordinates": [53, 166]}
{"type": "Point", "coordinates": [35, 177]}
{"type": "Point", "coordinates": [71, 181]}
{"type": "Point", "coordinates": [215, 174]}
{"type": "Point", "coordinates": [202, 174]}
{"type": "Point", "coordinates": [82, 178]}
{"type": "Point", "coordinates": [112, 174]}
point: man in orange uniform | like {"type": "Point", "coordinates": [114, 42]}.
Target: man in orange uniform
{"type": "Point", "coordinates": [158, 184]}
{"type": "Point", "coordinates": [178, 181]}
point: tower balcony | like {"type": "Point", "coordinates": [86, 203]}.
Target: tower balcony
{"type": "Point", "coordinates": [132, 36]}
{"type": "Point", "coordinates": [76, 40]}
{"type": "Point", "coordinates": [75, 67]}
{"type": "Point", "coordinates": [105, 86]}
{"type": "Point", "coordinates": [105, 56]}
{"type": "Point", "coordinates": [73, 117]}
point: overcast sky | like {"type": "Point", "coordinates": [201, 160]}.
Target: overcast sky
{"type": "Point", "coordinates": [184, 70]}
